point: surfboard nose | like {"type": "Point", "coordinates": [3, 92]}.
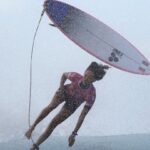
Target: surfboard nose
{"type": "Point", "coordinates": [97, 38]}
{"type": "Point", "coordinates": [56, 10]}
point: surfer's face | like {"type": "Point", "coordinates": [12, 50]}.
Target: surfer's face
{"type": "Point", "coordinates": [89, 77]}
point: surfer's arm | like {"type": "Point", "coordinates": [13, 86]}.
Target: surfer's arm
{"type": "Point", "coordinates": [81, 118]}
{"type": "Point", "coordinates": [63, 80]}
{"type": "Point", "coordinates": [72, 76]}
{"type": "Point", "coordinates": [67, 75]}
{"type": "Point", "coordinates": [84, 112]}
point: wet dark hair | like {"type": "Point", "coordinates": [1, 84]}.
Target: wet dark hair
{"type": "Point", "coordinates": [98, 70]}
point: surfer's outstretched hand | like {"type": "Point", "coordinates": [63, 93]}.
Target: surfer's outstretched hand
{"type": "Point", "coordinates": [106, 67]}
{"type": "Point", "coordinates": [71, 140]}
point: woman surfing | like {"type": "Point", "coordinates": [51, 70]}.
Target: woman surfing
{"type": "Point", "coordinates": [80, 90]}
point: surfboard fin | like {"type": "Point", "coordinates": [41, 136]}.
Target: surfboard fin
{"type": "Point", "coordinates": [52, 25]}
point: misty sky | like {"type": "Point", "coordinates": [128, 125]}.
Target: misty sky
{"type": "Point", "coordinates": [123, 99]}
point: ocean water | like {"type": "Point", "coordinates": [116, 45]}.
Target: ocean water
{"type": "Point", "coordinates": [122, 142]}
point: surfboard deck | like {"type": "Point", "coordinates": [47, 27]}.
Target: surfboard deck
{"type": "Point", "coordinates": [96, 38]}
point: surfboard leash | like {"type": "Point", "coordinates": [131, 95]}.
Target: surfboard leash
{"type": "Point", "coordinates": [31, 68]}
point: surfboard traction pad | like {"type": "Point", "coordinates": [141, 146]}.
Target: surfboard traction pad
{"type": "Point", "coordinates": [67, 18]}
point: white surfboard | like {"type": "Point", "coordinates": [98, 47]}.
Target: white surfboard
{"type": "Point", "coordinates": [97, 38]}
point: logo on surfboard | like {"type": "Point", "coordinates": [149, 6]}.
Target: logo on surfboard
{"type": "Point", "coordinates": [145, 63]}
{"type": "Point", "coordinates": [115, 55]}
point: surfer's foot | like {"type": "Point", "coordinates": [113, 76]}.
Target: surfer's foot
{"type": "Point", "coordinates": [29, 133]}
{"type": "Point", "coordinates": [35, 147]}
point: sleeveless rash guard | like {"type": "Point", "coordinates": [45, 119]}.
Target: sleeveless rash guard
{"type": "Point", "coordinates": [75, 93]}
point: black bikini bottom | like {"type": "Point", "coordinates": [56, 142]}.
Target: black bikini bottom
{"type": "Point", "coordinates": [71, 104]}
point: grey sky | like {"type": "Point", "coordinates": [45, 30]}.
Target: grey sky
{"type": "Point", "coordinates": [123, 100]}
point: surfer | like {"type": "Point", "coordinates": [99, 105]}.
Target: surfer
{"type": "Point", "coordinates": [74, 94]}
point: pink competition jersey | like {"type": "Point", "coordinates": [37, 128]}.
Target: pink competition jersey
{"type": "Point", "coordinates": [77, 93]}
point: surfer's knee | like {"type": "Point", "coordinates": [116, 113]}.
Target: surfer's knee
{"type": "Point", "coordinates": [50, 108]}
{"type": "Point", "coordinates": [56, 121]}
{"type": "Point", "coordinates": [47, 133]}
{"type": "Point", "coordinates": [47, 110]}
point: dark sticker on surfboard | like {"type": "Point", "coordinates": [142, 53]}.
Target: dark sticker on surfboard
{"type": "Point", "coordinates": [115, 55]}
{"type": "Point", "coordinates": [145, 63]}
{"type": "Point", "coordinates": [142, 69]}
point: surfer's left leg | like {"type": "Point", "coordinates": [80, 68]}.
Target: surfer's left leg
{"type": "Point", "coordinates": [56, 101]}
{"type": "Point", "coordinates": [59, 118]}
